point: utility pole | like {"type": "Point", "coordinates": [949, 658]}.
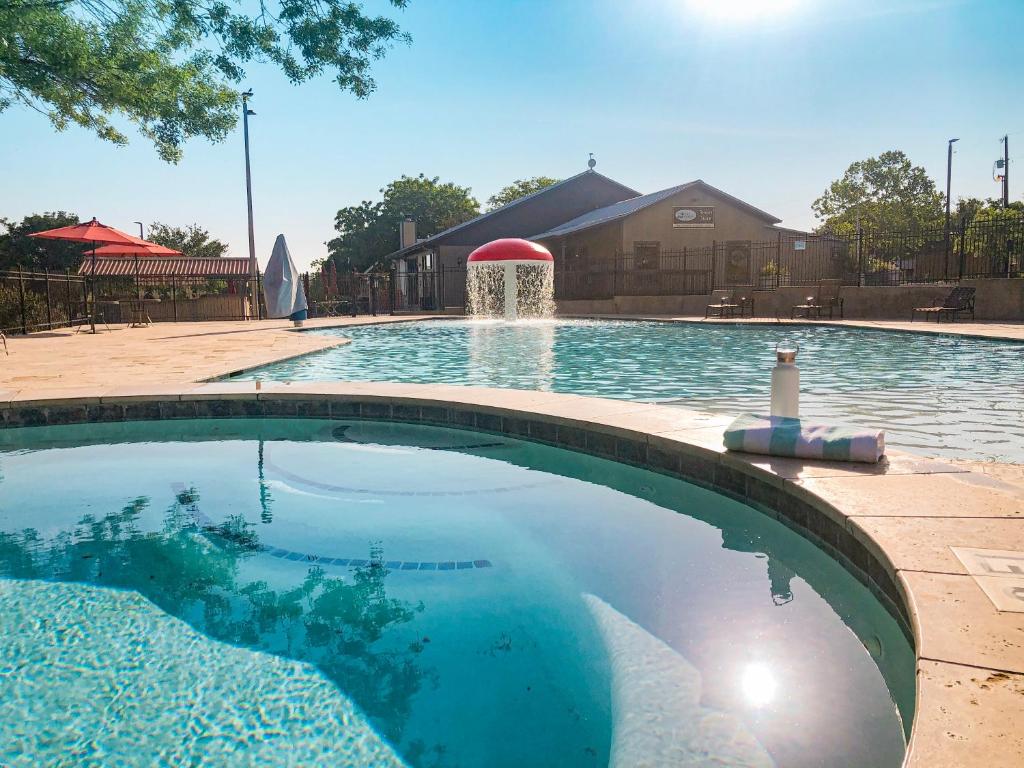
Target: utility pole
{"type": "Point", "coordinates": [253, 266]}
{"type": "Point", "coordinates": [1006, 171]}
{"type": "Point", "coordinates": [949, 182]}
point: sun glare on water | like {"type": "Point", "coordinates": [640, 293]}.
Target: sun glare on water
{"type": "Point", "coordinates": [742, 10]}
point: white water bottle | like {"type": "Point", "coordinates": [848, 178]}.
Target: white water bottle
{"type": "Point", "coordinates": [786, 382]}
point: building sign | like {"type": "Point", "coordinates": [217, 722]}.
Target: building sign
{"type": "Point", "coordinates": [700, 216]}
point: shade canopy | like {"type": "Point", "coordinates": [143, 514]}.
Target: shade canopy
{"type": "Point", "coordinates": [166, 267]}
{"type": "Point", "coordinates": [89, 232]}
{"type": "Point", "coordinates": [144, 248]}
{"type": "Point", "coordinates": [282, 283]}
{"type": "Point", "coordinates": [509, 249]}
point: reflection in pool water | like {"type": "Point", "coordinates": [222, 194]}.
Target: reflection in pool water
{"type": "Point", "coordinates": [933, 394]}
{"type": "Point", "coordinates": [470, 600]}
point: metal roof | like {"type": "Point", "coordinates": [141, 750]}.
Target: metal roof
{"type": "Point", "coordinates": [626, 207]}
{"type": "Point", "coordinates": [165, 266]}
{"type": "Point", "coordinates": [427, 241]}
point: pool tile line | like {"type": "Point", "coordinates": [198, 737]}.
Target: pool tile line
{"type": "Point", "coordinates": [203, 521]}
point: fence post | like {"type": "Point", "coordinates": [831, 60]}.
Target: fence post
{"type": "Point", "coordinates": [174, 297]}
{"type": "Point", "coordinates": [961, 262]}
{"type": "Point", "coordinates": [260, 309]}
{"type": "Point", "coordinates": [49, 310]}
{"type": "Point", "coordinates": [67, 296]}
{"type": "Point", "coordinates": [393, 285]}
{"type": "Point", "coordinates": [714, 263]}
{"type": "Point", "coordinates": [21, 296]}
{"type": "Point", "coordinates": [860, 258]}
{"type": "Point", "coordinates": [440, 292]}
{"type": "Point", "coordinates": [778, 261]}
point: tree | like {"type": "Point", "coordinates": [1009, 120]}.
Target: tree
{"type": "Point", "coordinates": [170, 67]}
{"type": "Point", "coordinates": [884, 193]}
{"type": "Point", "coordinates": [18, 249]}
{"type": "Point", "coordinates": [192, 240]}
{"type": "Point", "coordinates": [517, 189]}
{"type": "Point", "coordinates": [369, 231]}
{"type": "Point", "coordinates": [971, 209]}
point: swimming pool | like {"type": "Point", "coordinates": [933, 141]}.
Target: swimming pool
{"type": "Point", "coordinates": [270, 592]}
{"type": "Point", "coordinates": [934, 395]}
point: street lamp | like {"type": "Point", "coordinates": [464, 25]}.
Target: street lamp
{"type": "Point", "coordinates": [253, 267]}
{"type": "Point", "coordinates": [949, 179]}
{"type": "Point", "coordinates": [141, 233]}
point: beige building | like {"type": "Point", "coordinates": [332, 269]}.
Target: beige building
{"type": "Point", "coordinates": [694, 215]}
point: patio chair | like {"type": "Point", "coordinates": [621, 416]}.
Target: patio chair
{"type": "Point", "coordinates": [960, 300]}
{"type": "Point", "coordinates": [745, 301]}
{"type": "Point", "coordinates": [723, 302]}
{"type": "Point", "coordinates": [140, 317]}
{"type": "Point", "coordinates": [827, 298]}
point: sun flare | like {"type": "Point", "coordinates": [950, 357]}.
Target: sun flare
{"type": "Point", "coordinates": [742, 10]}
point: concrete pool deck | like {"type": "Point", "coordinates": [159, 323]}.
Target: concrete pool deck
{"type": "Point", "coordinates": [909, 527]}
{"type": "Point", "coordinates": [894, 525]}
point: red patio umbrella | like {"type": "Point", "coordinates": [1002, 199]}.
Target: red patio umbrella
{"type": "Point", "coordinates": [142, 249]}
{"type": "Point", "coordinates": [90, 232]}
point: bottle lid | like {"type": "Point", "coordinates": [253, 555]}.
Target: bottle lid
{"type": "Point", "coordinates": [785, 351]}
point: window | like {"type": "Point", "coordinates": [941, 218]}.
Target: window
{"type": "Point", "coordinates": [646, 254]}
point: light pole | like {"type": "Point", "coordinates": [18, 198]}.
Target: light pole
{"type": "Point", "coordinates": [141, 233]}
{"type": "Point", "coordinates": [253, 267]}
{"type": "Point", "coordinates": [949, 181]}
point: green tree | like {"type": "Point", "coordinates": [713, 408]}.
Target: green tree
{"type": "Point", "coordinates": [884, 193]}
{"type": "Point", "coordinates": [192, 240]}
{"type": "Point", "coordinates": [169, 67]}
{"type": "Point", "coordinates": [517, 189]}
{"type": "Point", "coordinates": [972, 209]}
{"type": "Point", "coordinates": [369, 231]}
{"type": "Point", "coordinates": [18, 249]}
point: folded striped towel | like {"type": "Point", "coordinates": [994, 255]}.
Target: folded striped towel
{"type": "Point", "coordinates": [782, 436]}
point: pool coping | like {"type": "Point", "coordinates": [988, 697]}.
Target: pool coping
{"type": "Point", "coordinates": [891, 525]}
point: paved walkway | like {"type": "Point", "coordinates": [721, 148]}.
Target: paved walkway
{"type": "Point", "coordinates": [59, 362]}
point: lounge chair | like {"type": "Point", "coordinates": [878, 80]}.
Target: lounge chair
{"type": "Point", "coordinates": [959, 300]}
{"type": "Point", "coordinates": [723, 302]}
{"type": "Point", "coordinates": [827, 298]}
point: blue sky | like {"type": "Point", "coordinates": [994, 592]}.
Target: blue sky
{"type": "Point", "coordinates": [769, 103]}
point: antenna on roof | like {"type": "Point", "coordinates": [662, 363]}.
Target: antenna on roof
{"type": "Point", "coordinates": [591, 162]}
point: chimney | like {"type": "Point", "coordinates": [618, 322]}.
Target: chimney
{"type": "Point", "coordinates": [407, 232]}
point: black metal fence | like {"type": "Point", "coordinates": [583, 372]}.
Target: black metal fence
{"type": "Point", "coordinates": [990, 249]}
{"type": "Point", "coordinates": [348, 293]}
{"type": "Point", "coordinates": [37, 301]}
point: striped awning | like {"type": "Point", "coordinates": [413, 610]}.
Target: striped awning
{"type": "Point", "coordinates": [165, 266]}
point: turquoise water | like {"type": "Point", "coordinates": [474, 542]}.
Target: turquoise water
{"type": "Point", "coordinates": [304, 592]}
{"type": "Point", "coordinates": [933, 395]}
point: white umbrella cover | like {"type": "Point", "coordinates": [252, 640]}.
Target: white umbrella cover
{"type": "Point", "coordinates": [282, 283]}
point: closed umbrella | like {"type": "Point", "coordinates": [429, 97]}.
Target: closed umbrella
{"type": "Point", "coordinates": [282, 285]}
{"type": "Point", "coordinates": [90, 232]}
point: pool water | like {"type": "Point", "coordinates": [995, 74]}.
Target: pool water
{"type": "Point", "coordinates": [934, 395]}
{"type": "Point", "coordinates": [305, 592]}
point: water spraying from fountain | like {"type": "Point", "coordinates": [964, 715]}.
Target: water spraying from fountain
{"type": "Point", "coordinates": [510, 278]}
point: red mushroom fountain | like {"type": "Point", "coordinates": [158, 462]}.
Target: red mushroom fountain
{"type": "Point", "coordinates": [509, 253]}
